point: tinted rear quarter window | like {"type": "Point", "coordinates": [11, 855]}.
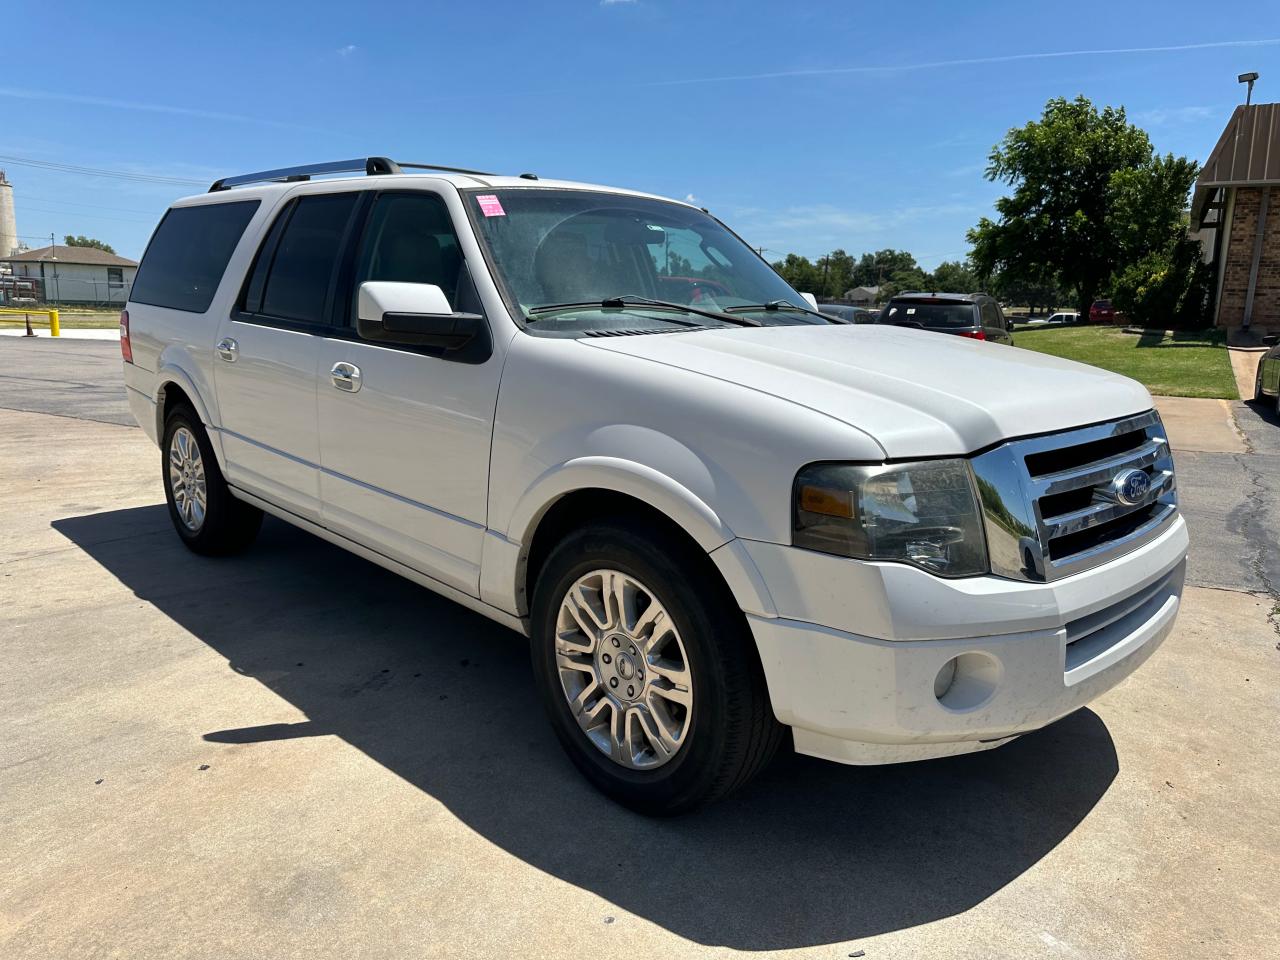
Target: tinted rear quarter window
{"type": "Point", "coordinates": [188, 253]}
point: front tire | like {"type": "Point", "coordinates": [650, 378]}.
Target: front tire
{"type": "Point", "coordinates": [208, 518]}
{"type": "Point", "coordinates": [648, 669]}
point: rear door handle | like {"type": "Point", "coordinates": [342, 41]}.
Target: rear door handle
{"type": "Point", "coordinates": [345, 376]}
{"type": "Point", "coordinates": [228, 349]}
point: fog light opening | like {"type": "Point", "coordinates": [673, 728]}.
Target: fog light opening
{"type": "Point", "coordinates": [945, 678]}
{"type": "Point", "coordinates": [968, 681]}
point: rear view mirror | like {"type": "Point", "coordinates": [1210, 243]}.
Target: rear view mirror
{"type": "Point", "coordinates": [633, 232]}
{"type": "Point", "coordinates": [412, 314]}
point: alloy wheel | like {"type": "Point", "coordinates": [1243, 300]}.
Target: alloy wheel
{"type": "Point", "coordinates": [624, 669]}
{"type": "Point", "coordinates": [187, 479]}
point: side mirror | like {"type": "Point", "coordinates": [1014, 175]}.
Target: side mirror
{"type": "Point", "coordinates": [412, 314]}
{"type": "Point", "coordinates": [811, 300]}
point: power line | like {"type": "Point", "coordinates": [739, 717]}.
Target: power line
{"type": "Point", "coordinates": [76, 215]}
{"type": "Point", "coordinates": [24, 196]}
{"type": "Point", "coordinates": [97, 172]}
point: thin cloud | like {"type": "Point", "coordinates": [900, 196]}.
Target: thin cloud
{"type": "Point", "coordinates": [1162, 116]}
{"type": "Point", "coordinates": [18, 93]}
{"type": "Point", "coordinates": [690, 198]}
{"type": "Point", "coordinates": [348, 50]}
{"type": "Point", "coordinates": [615, 3]}
{"type": "Point", "coordinates": [966, 62]}
{"type": "Point", "coordinates": [803, 228]}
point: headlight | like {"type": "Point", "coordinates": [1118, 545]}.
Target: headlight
{"type": "Point", "coordinates": [923, 513]}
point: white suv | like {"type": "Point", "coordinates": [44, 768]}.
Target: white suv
{"type": "Point", "coordinates": [599, 418]}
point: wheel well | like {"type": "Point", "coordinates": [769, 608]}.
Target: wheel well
{"type": "Point", "coordinates": [171, 395]}
{"type": "Point", "coordinates": [581, 507]}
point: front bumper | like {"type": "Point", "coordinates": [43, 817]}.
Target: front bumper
{"type": "Point", "coordinates": [1025, 654]}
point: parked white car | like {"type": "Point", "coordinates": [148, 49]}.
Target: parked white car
{"type": "Point", "coordinates": [1055, 319]}
{"type": "Point", "coordinates": [599, 418]}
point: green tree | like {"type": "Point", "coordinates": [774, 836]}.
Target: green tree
{"type": "Point", "coordinates": [71, 241]}
{"type": "Point", "coordinates": [837, 269]}
{"type": "Point", "coordinates": [800, 273]}
{"type": "Point", "coordinates": [1068, 171]}
{"type": "Point", "coordinates": [953, 276]}
{"type": "Point", "coordinates": [874, 269]}
{"type": "Point", "coordinates": [911, 279]}
{"type": "Point", "coordinates": [1163, 280]}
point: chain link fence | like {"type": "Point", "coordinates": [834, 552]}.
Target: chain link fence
{"type": "Point", "coordinates": [16, 291]}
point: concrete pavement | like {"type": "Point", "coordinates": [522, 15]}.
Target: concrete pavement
{"type": "Point", "coordinates": [296, 754]}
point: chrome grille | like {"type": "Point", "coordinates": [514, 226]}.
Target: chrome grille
{"type": "Point", "coordinates": [1050, 502]}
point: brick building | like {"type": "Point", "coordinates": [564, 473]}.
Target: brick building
{"type": "Point", "coordinates": [1236, 208]}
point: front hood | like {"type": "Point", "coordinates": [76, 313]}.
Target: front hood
{"type": "Point", "coordinates": [917, 393]}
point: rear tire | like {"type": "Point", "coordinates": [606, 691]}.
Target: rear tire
{"type": "Point", "coordinates": [1258, 395]}
{"type": "Point", "coordinates": [208, 518]}
{"type": "Point", "coordinates": [698, 723]}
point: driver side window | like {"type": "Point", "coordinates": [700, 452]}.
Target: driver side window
{"type": "Point", "coordinates": [410, 238]}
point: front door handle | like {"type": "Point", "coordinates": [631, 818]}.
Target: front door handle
{"type": "Point", "coordinates": [345, 376]}
{"type": "Point", "coordinates": [228, 349]}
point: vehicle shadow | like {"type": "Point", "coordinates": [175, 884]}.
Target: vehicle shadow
{"type": "Point", "coordinates": [1164, 340]}
{"type": "Point", "coordinates": [1265, 410]}
{"type": "Point", "coordinates": [812, 853]}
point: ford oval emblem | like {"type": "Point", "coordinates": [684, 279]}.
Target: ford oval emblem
{"type": "Point", "coordinates": [1131, 487]}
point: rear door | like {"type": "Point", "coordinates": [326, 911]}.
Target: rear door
{"type": "Point", "coordinates": [405, 431]}
{"type": "Point", "coordinates": [267, 350]}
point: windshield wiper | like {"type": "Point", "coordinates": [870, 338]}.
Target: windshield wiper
{"type": "Point", "coordinates": [773, 305]}
{"type": "Point", "coordinates": [617, 303]}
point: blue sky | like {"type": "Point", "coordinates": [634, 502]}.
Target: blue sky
{"type": "Point", "coordinates": [806, 126]}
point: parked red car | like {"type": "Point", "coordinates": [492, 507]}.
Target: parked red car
{"type": "Point", "coordinates": [1102, 312]}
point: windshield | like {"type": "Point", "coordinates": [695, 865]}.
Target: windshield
{"type": "Point", "coordinates": [929, 313]}
{"type": "Point", "coordinates": [574, 247]}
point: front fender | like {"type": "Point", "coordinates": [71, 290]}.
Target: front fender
{"type": "Point", "coordinates": [637, 480]}
{"type": "Point", "coordinates": [503, 567]}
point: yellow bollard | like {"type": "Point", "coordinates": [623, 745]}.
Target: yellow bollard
{"type": "Point", "coordinates": [55, 330]}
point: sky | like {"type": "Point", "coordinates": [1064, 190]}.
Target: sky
{"type": "Point", "coordinates": [805, 126]}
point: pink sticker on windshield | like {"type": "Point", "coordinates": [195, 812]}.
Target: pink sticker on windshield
{"type": "Point", "coordinates": [490, 205]}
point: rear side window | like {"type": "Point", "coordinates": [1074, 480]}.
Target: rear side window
{"type": "Point", "coordinates": [292, 280]}
{"type": "Point", "coordinates": [188, 253]}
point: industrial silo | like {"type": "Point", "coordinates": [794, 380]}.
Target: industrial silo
{"type": "Point", "coordinates": [8, 222]}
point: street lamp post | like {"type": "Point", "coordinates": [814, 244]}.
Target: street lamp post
{"type": "Point", "coordinates": [1248, 78]}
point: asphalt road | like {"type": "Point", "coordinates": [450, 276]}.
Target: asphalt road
{"type": "Point", "coordinates": [1231, 500]}
{"type": "Point", "coordinates": [69, 378]}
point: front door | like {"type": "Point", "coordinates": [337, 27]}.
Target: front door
{"type": "Point", "coordinates": [405, 432]}
{"type": "Point", "coordinates": [266, 355]}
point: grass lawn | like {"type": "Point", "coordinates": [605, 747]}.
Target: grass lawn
{"type": "Point", "coordinates": [69, 319]}
{"type": "Point", "coordinates": [1170, 364]}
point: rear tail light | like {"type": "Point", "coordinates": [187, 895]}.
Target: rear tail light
{"type": "Point", "coordinates": [126, 348]}
{"type": "Point", "coordinates": [973, 334]}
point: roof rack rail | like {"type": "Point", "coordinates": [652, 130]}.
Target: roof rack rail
{"type": "Point", "coordinates": [372, 166]}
